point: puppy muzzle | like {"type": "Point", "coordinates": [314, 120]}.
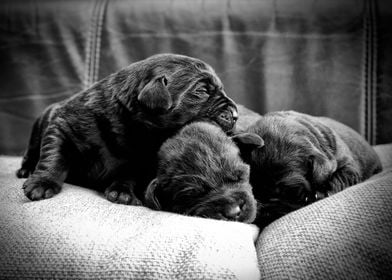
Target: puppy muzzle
{"type": "Point", "coordinates": [238, 206]}
{"type": "Point", "coordinates": [229, 117]}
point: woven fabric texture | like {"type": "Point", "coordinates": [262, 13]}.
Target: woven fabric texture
{"type": "Point", "coordinates": [346, 236]}
{"type": "Point", "coordinates": [78, 234]}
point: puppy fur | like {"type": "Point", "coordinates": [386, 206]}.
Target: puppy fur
{"type": "Point", "coordinates": [200, 173]}
{"type": "Point", "coordinates": [304, 158]}
{"type": "Point", "coordinates": [246, 118]}
{"type": "Point", "coordinates": [107, 136]}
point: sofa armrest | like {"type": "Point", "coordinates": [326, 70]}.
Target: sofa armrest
{"type": "Point", "coordinates": [346, 236]}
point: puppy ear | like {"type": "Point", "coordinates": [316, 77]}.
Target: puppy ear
{"type": "Point", "coordinates": [248, 141]}
{"type": "Point", "coordinates": [150, 195]}
{"type": "Point", "coordinates": [155, 95]}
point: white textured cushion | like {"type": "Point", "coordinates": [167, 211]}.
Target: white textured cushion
{"type": "Point", "coordinates": [79, 234]}
{"type": "Point", "coordinates": [345, 236]}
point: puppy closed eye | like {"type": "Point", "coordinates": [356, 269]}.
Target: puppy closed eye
{"type": "Point", "coordinates": [202, 92]}
{"type": "Point", "coordinates": [205, 88]}
{"type": "Point", "coordinates": [295, 193]}
{"type": "Point", "coordinates": [190, 190]}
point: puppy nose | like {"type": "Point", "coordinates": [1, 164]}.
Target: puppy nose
{"type": "Point", "coordinates": [233, 212]}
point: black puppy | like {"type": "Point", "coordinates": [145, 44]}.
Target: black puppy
{"type": "Point", "coordinates": [200, 173]}
{"type": "Point", "coordinates": [107, 136]}
{"type": "Point", "coordinates": [305, 158]}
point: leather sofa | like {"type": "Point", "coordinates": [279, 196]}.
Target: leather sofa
{"type": "Point", "coordinates": [330, 58]}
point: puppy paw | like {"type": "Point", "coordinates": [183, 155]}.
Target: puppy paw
{"type": "Point", "coordinates": [343, 178]}
{"type": "Point", "coordinates": [121, 194]}
{"type": "Point", "coordinates": [23, 172]}
{"type": "Point", "coordinates": [40, 188]}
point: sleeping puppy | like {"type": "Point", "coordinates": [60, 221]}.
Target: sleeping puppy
{"type": "Point", "coordinates": [304, 158]}
{"type": "Point", "coordinates": [200, 173]}
{"type": "Point", "coordinates": [107, 136]}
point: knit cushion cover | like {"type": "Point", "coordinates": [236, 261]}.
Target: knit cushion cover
{"type": "Point", "coordinates": [345, 236]}
{"type": "Point", "coordinates": [78, 234]}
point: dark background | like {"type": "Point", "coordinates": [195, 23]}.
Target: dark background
{"type": "Point", "coordinates": [329, 58]}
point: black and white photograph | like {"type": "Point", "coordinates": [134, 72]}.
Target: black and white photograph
{"type": "Point", "coordinates": [196, 139]}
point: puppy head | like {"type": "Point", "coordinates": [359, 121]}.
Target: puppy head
{"type": "Point", "coordinates": [170, 90]}
{"type": "Point", "coordinates": [289, 171]}
{"type": "Point", "coordinates": [200, 173]}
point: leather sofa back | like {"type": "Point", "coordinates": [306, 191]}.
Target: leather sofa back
{"type": "Point", "coordinates": [327, 58]}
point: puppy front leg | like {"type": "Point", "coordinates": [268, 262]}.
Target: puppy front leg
{"type": "Point", "coordinates": [122, 192]}
{"type": "Point", "coordinates": [51, 169]}
{"type": "Point", "coordinates": [31, 155]}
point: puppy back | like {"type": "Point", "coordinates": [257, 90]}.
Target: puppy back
{"type": "Point", "coordinates": [331, 137]}
{"type": "Point", "coordinates": [362, 152]}
{"type": "Point", "coordinates": [342, 140]}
